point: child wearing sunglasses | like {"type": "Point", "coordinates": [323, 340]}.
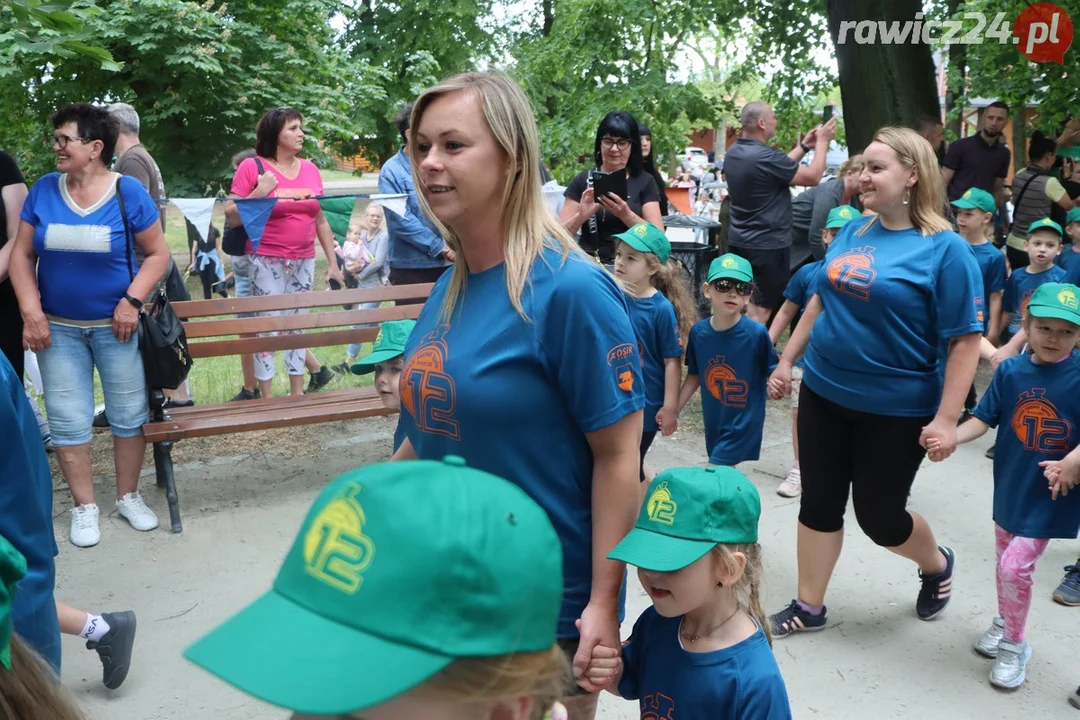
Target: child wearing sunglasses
{"type": "Point", "coordinates": [730, 357]}
{"type": "Point", "coordinates": [797, 294]}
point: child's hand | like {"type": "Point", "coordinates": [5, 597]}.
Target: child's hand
{"type": "Point", "coordinates": [1061, 475]}
{"type": "Point", "coordinates": [604, 665]}
{"type": "Point", "coordinates": [780, 381]}
{"type": "Point", "coordinates": [668, 420]}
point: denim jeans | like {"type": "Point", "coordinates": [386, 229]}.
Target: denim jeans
{"type": "Point", "coordinates": [67, 372]}
{"type": "Point", "coordinates": [354, 348]}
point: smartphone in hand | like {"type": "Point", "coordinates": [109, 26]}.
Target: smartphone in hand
{"type": "Point", "coordinates": [826, 116]}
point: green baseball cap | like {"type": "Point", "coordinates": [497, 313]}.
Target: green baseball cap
{"type": "Point", "coordinates": [646, 237]}
{"type": "Point", "coordinates": [390, 342]}
{"type": "Point", "coordinates": [1069, 152]}
{"type": "Point", "coordinates": [1045, 223]}
{"type": "Point", "coordinates": [12, 570]}
{"type": "Point", "coordinates": [976, 199]}
{"type": "Point", "coordinates": [731, 266]}
{"type": "Point", "coordinates": [840, 216]}
{"type": "Point", "coordinates": [1073, 216]}
{"type": "Point", "coordinates": [399, 569]}
{"type": "Point", "coordinates": [687, 511]}
{"type": "Point", "coordinates": [1056, 300]}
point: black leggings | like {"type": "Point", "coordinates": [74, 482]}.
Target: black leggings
{"type": "Point", "coordinates": [875, 456]}
{"type": "Point", "coordinates": [646, 441]}
{"type": "Point", "coordinates": [208, 275]}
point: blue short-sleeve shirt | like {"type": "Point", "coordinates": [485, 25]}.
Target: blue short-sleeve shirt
{"type": "Point", "coordinates": [800, 289]}
{"type": "Point", "coordinates": [736, 683]}
{"type": "Point", "coordinates": [1022, 283]}
{"type": "Point", "coordinates": [83, 261]}
{"type": "Point", "coordinates": [732, 367]}
{"type": "Point", "coordinates": [992, 268]}
{"type": "Point", "coordinates": [890, 300]}
{"type": "Point", "coordinates": [1069, 260]}
{"type": "Point", "coordinates": [657, 331]}
{"type": "Point", "coordinates": [516, 398]}
{"type": "Point", "coordinates": [1036, 409]}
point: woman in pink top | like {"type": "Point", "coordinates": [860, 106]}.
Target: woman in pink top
{"type": "Point", "coordinates": [283, 262]}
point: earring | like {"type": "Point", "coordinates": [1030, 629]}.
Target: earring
{"type": "Point", "coordinates": [907, 196]}
{"type": "Point", "coordinates": [719, 583]}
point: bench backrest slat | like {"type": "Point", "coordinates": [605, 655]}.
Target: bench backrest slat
{"type": "Point", "coordinates": [304, 321]}
{"type": "Point", "coordinates": [272, 343]}
{"type": "Point", "coordinates": [268, 303]}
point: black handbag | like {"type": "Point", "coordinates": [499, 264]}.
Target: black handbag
{"type": "Point", "coordinates": [234, 239]}
{"type": "Point", "coordinates": [162, 341]}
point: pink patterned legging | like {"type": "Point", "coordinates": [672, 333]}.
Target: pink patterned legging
{"type": "Point", "coordinates": [1016, 558]}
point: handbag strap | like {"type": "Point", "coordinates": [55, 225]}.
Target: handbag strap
{"type": "Point", "coordinates": [127, 228]}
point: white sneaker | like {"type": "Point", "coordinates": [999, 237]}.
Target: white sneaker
{"type": "Point", "coordinates": [988, 644]}
{"type": "Point", "coordinates": [84, 526]}
{"type": "Point", "coordinates": [132, 507]}
{"type": "Point", "coordinates": [791, 487]}
{"type": "Point", "coordinates": [1010, 669]}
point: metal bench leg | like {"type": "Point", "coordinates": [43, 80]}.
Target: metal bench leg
{"type": "Point", "coordinates": [165, 478]}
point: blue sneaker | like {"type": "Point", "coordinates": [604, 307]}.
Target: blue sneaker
{"type": "Point", "coordinates": [1068, 592]}
{"type": "Point", "coordinates": [793, 619]}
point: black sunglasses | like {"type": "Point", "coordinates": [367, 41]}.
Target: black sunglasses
{"type": "Point", "coordinates": [724, 285]}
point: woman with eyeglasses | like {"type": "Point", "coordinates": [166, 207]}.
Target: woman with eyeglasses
{"type": "Point", "coordinates": [80, 290]}
{"type": "Point", "coordinates": [600, 219]}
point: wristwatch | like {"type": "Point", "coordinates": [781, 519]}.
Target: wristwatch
{"type": "Point", "coordinates": [134, 301]}
{"type": "Point", "coordinates": [804, 146]}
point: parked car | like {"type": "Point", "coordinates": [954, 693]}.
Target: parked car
{"type": "Point", "coordinates": [696, 157]}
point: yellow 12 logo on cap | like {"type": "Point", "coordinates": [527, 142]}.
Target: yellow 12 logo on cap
{"type": "Point", "coordinates": [641, 231]}
{"type": "Point", "coordinates": [729, 263]}
{"type": "Point", "coordinates": [336, 550]}
{"type": "Point", "coordinates": [661, 507]}
{"type": "Point", "coordinates": [1068, 298]}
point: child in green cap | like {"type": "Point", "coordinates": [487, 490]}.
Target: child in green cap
{"type": "Point", "coordinates": [704, 645]}
{"type": "Point", "coordinates": [730, 357]}
{"type": "Point", "coordinates": [1043, 245]}
{"type": "Point", "coordinates": [386, 360]}
{"type": "Point", "coordinates": [1069, 259]}
{"type": "Point", "coordinates": [28, 688]}
{"type": "Point", "coordinates": [381, 594]}
{"type": "Point", "coordinates": [662, 312]}
{"type": "Point", "coordinates": [1033, 402]}
{"type": "Point", "coordinates": [798, 292]}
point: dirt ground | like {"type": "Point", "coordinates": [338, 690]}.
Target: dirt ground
{"type": "Point", "coordinates": [244, 496]}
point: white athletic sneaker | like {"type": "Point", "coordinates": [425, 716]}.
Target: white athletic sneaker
{"type": "Point", "coordinates": [132, 507]}
{"type": "Point", "coordinates": [1010, 668]}
{"type": "Point", "coordinates": [988, 644]}
{"type": "Point", "coordinates": [791, 487]}
{"type": "Point", "coordinates": [84, 526]}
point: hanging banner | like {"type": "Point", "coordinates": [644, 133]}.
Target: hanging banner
{"type": "Point", "coordinates": [338, 212]}
{"type": "Point", "coordinates": [198, 212]}
{"type": "Point", "coordinates": [254, 214]}
{"type": "Point", "coordinates": [393, 203]}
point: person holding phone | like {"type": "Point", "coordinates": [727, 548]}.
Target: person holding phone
{"type": "Point", "coordinates": [600, 216]}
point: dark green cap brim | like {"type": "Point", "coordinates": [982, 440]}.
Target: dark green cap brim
{"type": "Point", "coordinates": [836, 224]}
{"type": "Point", "coordinates": [660, 553]}
{"type": "Point", "coordinates": [316, 667]}
{"type": "Point", "coordinates": [367, 364]}
{"type": "Point", "coordinates": [1047, 311]}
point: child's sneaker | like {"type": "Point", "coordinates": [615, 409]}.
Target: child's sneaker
{"type": "Point", "coordinates": [793, 619]}
{"type": "Point", "coordinates": [936, 589]}
{"type": "Point", "coordinates": [1068, 592]}
{"type": "Point", "coordinates": [1010, 668]}
{"type": "Point", "coordinates": [988, 644]}
{"type": "Point", "coordinates": [114, 649]}
{"type": "Point", "coordinates": [791, 487]}
{"type": "Point", "coordinates": [1074, 699]}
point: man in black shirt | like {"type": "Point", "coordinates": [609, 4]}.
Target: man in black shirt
{"type": "Point", "coordinates": [980, 160]}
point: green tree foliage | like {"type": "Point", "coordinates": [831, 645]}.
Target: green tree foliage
{"type": "Point", "coordinates": [52, 29]}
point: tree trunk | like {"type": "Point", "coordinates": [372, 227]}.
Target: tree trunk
{"type": "Point", "coordinates": [956, 81]}
{"type": "Point", "coordinates": [881, 84]}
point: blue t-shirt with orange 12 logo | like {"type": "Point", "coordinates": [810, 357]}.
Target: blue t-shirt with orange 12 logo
{"type": "Point", "coordinates": [1036, 409]}
{"type": "Point", "coordinates": [515, 398]}
{"type": "Point", "coordinates": [732, 367]}
{"type": "Point", "coordinates": [890, 299]}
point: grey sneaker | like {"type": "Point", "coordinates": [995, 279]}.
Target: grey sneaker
{"type": "Point", "coordinates": [988, 644]}
{"type": "Point", "coordinates": [1010, 668]}
{"type": "Point", "coordinates": [320, 379]}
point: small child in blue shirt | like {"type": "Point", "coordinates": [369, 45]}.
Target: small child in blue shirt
{"type": "Point", "coordinates": [661, 311]}
{"type": "Point", "coordinates": [386, 360]}
{"type": "Point", "coordinates": [702, 651]}
{"type": "Point", "coordinates": [730, 357]}
{"type": "Point", "coordinates": [1069, 259]}
{"type": "Point", "coordinates": [798, 292]}
{"type": "Point", "coordinates": [1043, 245]}
{"type": "Point", "coordinates": [1033, 402]}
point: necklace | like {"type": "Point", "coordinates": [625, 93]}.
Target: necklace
{"type": "Point", "coordinates": [281, 168]}
{"type": "Point", "coordinates": [710, 631]}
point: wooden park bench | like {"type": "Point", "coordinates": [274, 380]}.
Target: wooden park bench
{"type": "Point", "coordinates": [211, 329]}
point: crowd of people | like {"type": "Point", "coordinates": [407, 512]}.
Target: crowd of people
{"type": "Point", "coordinates": [585, 320]}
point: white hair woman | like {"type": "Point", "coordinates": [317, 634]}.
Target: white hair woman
{"type": "Point", "coordinates": [523, 360]}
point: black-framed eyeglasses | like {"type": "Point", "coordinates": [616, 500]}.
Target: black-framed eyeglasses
{"type": "Point", "coordinates": [726, 285]}
{"type": "Point", "coordinates": [620, 143]}
{"type": "Point", "coordinates": [61, 141]}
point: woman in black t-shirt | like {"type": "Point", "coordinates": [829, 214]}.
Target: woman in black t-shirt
{"type": "Point", "coordinates": [650, 165]}
{"type": "Point", "coordinates": [12, 193]}
{"type": "Point", "coordinates": [618, 147]}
